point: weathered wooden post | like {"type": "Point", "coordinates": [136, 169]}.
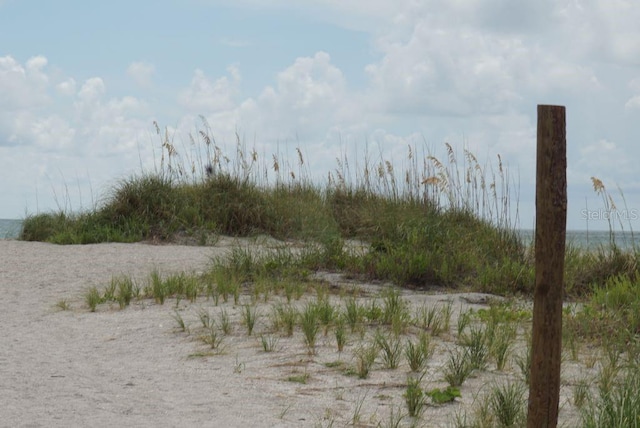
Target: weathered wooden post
{"type": "Point", "coordinates": [551, 223]}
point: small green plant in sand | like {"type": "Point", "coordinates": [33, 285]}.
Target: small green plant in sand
{"type": "Point", "coordinates": [157, 287]}
{"type": "Point", "coordinates": [92, 298]}
{"type": "Point", "coordinates": [393, 305]}
{"type": "Point", "coordinates": [287, 317]}
{"type": "Point", "coordinates": [458, 367]}
{"type": "Point", "coordinates": [353, 313]}
{"type": "Point", "coordinates": [365, 355]}
{"type": "Point", "coordinates": [523, 361]}
{"type": "Point", "coordinates": [391, 348]}
{"type": "Point", "coordinates": [418, 354]}
{"type": "Point", "coordinates": [309, 323]}
{"type": "Point", "coordinates": [205, 318]}
{"type": "Point", "coordinates": [446, 395]}
{"type": "Point", "coordinates": [180, 321]}
{"type": "Point", "coordinates": [477, 349]}
{"type": "Point", "coordinates": [269, 343]}
{"type": "Point", "coordinates": [504, 337]}
{"type": "Point", "coordinates": [508, 403]}
{"type": "Point", "coordinates": [446, 310]}
{"type": "Point", "coordinates": [124, 290]}
{"type": "Point", "coordinates": [63, 305]}
{"type": "Point", "coordinates": [299, 378]}
{"type": "Point", "coordinates": [326, 313]}
{"type": "Point", "coordinates": [430, 318]}
{"type": "Point", "coordinates": [225, 322]}
{"type": "Point", "coordinates": [580, 392]}
{"type": "Point", "coordinates": [414, 396]}
{"type": "Point", "coordinates": [250, 315]}
{"type": "Point", "coordinates": [463, 321]}
{"type": "Point", "coordinates": [212, 337]}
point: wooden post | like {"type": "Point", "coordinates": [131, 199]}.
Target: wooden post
{"type": "Point", "coordinates": [551, 223]}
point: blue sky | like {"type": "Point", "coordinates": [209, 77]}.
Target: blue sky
{"type": "Point", "coordinates": [82, 82]}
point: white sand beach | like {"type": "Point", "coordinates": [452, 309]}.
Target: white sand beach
{"type": "Point", "coordinates": [134, 367]}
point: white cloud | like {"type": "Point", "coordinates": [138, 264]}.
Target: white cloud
{"type": "Point", "coordinates": [204, 96]}
{"type": "Point", "coordinates": [465, 70]}
{"type": "Point", "coordinates": [92, 90]}
{"type": "Point", "coordinates": [83, 139]}
{"type": "Point", "coordinates": [634, 102]}
{"type": "Point", "coordinates": [23, 86]}
{"type": "Point", "coordinates": [82, 121]}
{"type": "Point", "coordinates": [67, 87]}
{"type": "Point", "coordinates": [309, 98]}
{"type": "Point", "coordinates": [142, 73]}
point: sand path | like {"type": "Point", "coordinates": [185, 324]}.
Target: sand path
{"type": "Point", "coordinates": [133, 368]}
{"type": "Point", "coordinates": [119, 368]}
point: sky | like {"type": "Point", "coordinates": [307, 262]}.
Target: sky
{"type": "Point", "coordinates": [82, 83]}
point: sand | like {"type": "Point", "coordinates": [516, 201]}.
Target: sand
{"type": "Point", "coordinates": [134, 367]}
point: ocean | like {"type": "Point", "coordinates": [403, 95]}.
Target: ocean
{"type": "Point", "coordinates": [586, 239]}
{"type": "Point", "coordinates": [10, 229]}
{"type": "Point", "coordinates": [592, 239]}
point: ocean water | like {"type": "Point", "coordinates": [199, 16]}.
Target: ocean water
{"type": "Point", "coordinates": [10, 229]}
{"type": "Point", "coordinates": [593, 239]}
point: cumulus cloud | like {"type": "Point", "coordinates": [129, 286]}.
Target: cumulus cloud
{"type": "Point", "coordinates": [141, 72]}
{"type": "Point", "coordinates": [92, 90]}
{"type": "Point", "coordinates": [23, 86]}
{"type": "Point", "coordinates": [204, 95]}
{"type": "Point", "coordinates": [84, 120]}
{"type": "Point", "coordinates": [474, 67]}
{"type": "Point", "coordinates": [308, 94]}
{"type": "Point", "coordinates": [67, 87]}
{"type": "Point", "coordinates": [51, 139]}
{"type": "Point", "coordinates": [312, 81]}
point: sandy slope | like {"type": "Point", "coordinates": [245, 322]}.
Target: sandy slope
{"type": "Point", "coordinates": [133, 368]}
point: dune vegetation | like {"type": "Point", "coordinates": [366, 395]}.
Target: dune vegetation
{"type": "Point", "coordinates": [434, 223]}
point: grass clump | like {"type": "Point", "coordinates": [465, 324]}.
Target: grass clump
{"type": "Point", "coordinates": [457, 368]}
{"type": "Point", "coordinates": [415, 397]}
{"type": "Point", "coordinates": [391, 348]}
{"type": "Point", "coordinates": [93, 298]}
{"type": "Point", "coordinates": [508, 403]}
{"type": "Point", "coordinates": [250, 315]}
{"type": "Point", "coordinates": [310, 326]}
{"type": "Point", "coordinates": [63, 305]}
{"type": "Point", "coordinates": [418, 354]}
{"type": "Point", "coordinates": [616, 405]}
{"type": "Point", "coordinates": [269, 343]}
{"type": "Point", "coordinates": [212, 337]}
{"type": "Point", "coordinates": [477, 348]}
{"type": "Point", "coordinates": [366, 355]}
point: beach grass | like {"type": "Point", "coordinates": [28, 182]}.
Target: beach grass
{"type": "Point", "coordinates": [432, 222]}
{"type": "Point", "coordinates": [445, 223]}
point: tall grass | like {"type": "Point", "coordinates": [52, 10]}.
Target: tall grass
{"type": "Point", "coordinates": [427, 220]}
